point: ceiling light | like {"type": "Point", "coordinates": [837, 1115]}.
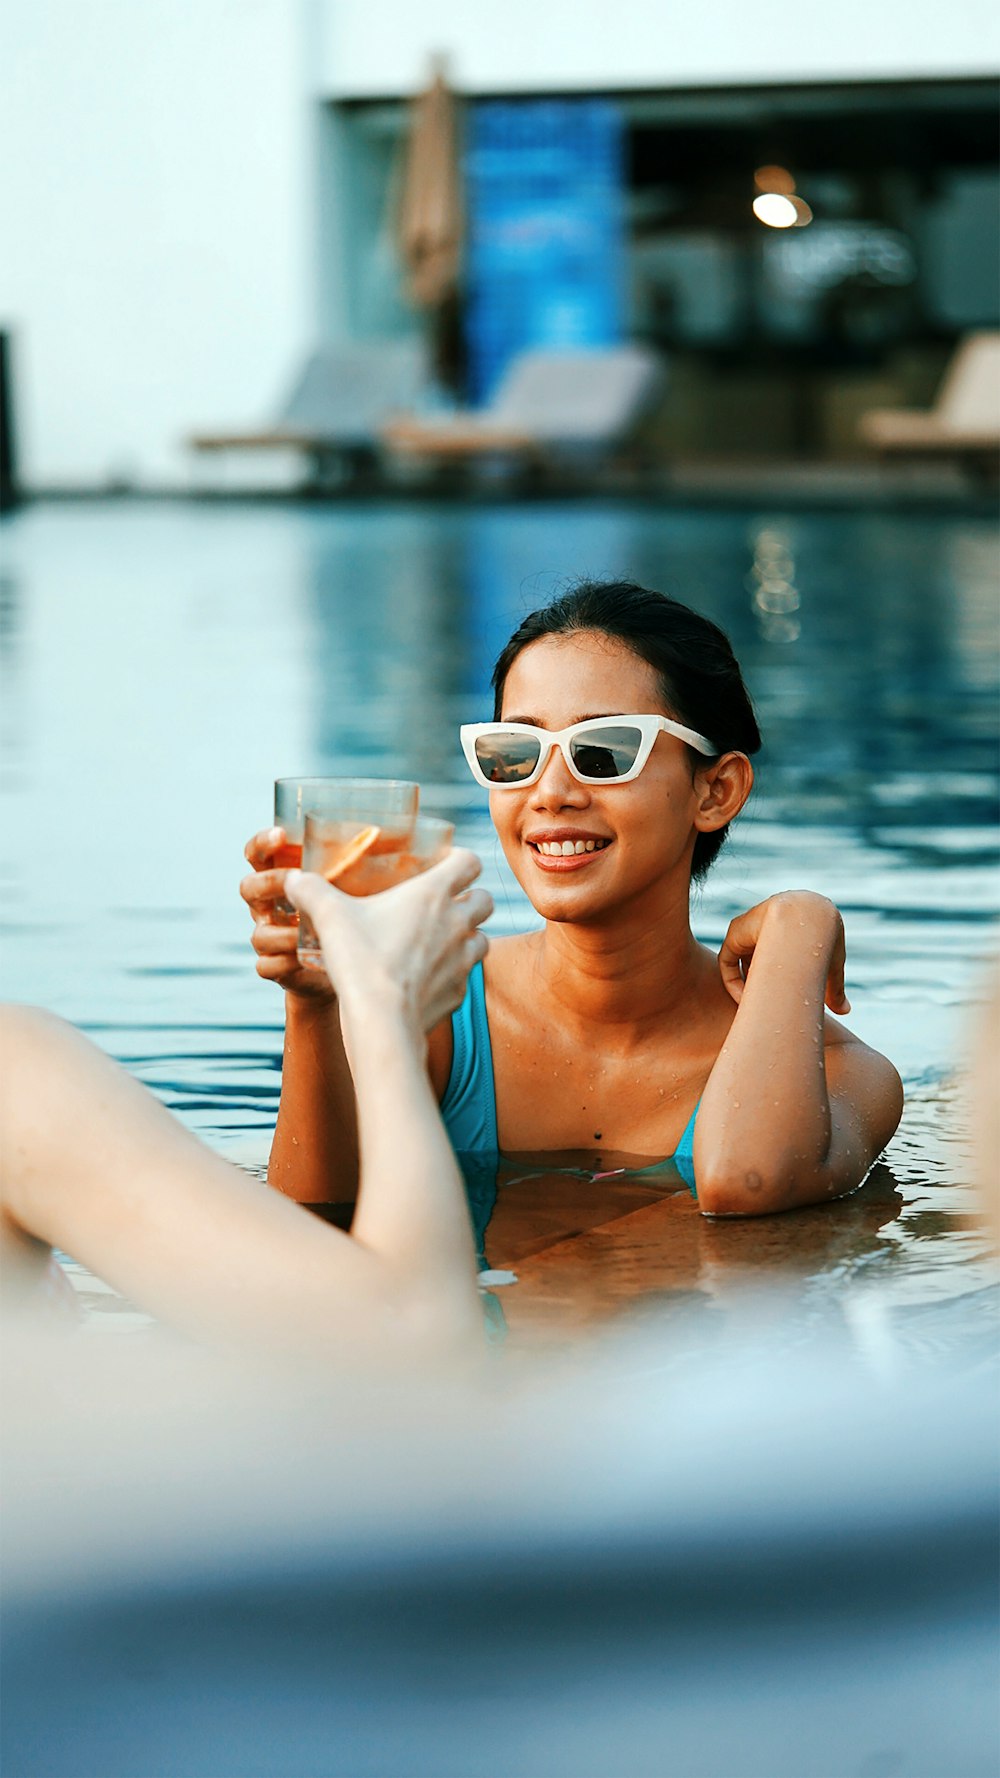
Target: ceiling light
{"type": "Point", "coordinates": [775, 210]}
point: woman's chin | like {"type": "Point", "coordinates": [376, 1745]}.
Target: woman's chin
{"type": "Point", "coordinates": [565, 898]}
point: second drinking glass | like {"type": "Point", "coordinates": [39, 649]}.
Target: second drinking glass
{"type": "Point", "coordinates": [388, 803]}
{"type": "Point", "coordinates": [365, 859]}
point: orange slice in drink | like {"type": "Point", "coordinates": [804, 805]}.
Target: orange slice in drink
{"type": "Point", "coordinates": [355, 849]}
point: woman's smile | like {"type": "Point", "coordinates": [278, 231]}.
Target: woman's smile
{"type": "Point", "coordinates": [560, 849]}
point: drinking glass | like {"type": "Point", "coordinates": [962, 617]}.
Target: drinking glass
{"type": "Point", "coordinates": [384, 801]}
{"type": "Point", "coordinates": [363, 858]}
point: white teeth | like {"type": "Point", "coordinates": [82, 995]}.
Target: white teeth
{"type": "Point", "coordinates": [569, 848]}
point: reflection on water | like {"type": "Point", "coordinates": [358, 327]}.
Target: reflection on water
{"type": "Point", "coordinates": [771, 584]}
{"type": "Point", "coordinates": [162, 665]}
{"type": "Point", "coordinates": [577, 1248]}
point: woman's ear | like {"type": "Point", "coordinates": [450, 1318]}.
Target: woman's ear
{"type": "Point", "coordinates": [721, 789]}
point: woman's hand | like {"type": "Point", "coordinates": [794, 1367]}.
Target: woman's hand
{"type": "Point", "coordinates": [805, 919]}
{"type": "Point", "coordinates": [420, 939]}
{"type": "Point", "coordinates": [275, 938]}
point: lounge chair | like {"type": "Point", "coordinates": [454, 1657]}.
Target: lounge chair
{"type": "Point", "coordinates": [550, 406]}
{"type": "Point", "coordinates": [965, 419]}
{"type": "Point", "coordinates": [336, 406]}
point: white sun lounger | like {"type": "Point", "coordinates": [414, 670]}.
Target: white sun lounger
{"type": "Point", "coordinates": [965, 419]}
{"type": "Point", "coordinates": [549, 405]}
{"type": "Point", "coordinates": [337, 404]}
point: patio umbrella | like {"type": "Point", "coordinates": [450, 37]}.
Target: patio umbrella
{"type": "Point", "coordinates": [430, 213]}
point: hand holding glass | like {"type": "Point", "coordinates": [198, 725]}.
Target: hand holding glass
{"type": "Point", "coordinates": [363, 858]}
{"type": "Point", "coordinates": [384, 801]}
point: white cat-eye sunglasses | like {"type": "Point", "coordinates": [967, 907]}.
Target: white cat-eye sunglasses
{"type": "Point", "coordinates": [603, 750]}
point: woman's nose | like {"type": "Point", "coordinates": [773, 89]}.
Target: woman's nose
{"type": "Point", "coordinates": [557, 785]}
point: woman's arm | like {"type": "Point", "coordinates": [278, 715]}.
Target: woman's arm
{"type": "Point", "coordinates": [794, 1112]}
{"type": "Point", "coordinates": [314, 1151]}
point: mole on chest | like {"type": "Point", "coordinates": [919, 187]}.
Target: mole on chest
{"type": "Point", "coordinates": [569, 1101]}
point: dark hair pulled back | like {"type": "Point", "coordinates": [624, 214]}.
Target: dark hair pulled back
{"type": "Point", "coordinates": [699, 675]}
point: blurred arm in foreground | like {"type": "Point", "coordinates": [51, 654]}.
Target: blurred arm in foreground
{"type": "Point", "coordinates": [94, 1165]}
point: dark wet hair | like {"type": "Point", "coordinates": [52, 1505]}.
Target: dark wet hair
{"type": "Point", "coordinates": [699, 675]}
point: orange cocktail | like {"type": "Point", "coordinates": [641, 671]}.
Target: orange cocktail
{"type": "Point", "coordinates": [352, 799]}
{"type": "Point", "coordinates": [363, 858]}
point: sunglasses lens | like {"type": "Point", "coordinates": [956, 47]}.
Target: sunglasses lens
{"type": "Point", "coordinates": [507, 759]}
{"type": "Point", "coordinates": [606, 752]}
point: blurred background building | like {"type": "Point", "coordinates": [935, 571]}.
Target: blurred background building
{"type": "Point", "coordinates": [197, 197]}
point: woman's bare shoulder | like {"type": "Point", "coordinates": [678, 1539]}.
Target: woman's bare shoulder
{"type": "Point", "coordinates": [837, 1035]}
{"type": "Point", "coordinates": [506, 963]}
{"type": "Point", "coordinates": [501, 971]}
{"type": "Point", "coordinates": [863, 1078]}
{"type": "Point", "coordinates": [513, 945]}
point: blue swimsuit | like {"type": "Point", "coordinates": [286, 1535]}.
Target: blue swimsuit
{"type": "Point", "coordinates": [469, 1106]}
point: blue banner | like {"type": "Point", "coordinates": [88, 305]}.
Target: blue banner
{"type": "Point", "coordinates": [546, 208]}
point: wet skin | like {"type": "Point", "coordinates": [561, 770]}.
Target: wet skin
{"type": "Point", "coordinates": [611, 1022]}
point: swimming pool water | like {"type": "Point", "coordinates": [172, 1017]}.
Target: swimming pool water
{"type": "Point", "coordinates": [164, 662]}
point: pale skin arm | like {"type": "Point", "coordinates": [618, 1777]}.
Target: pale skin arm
{"type": "Point", "coordinates": [796, 1110]}
{"type": "Point", "coordinates": [93, 1164]}
{"type": "Point", "coordinates": [419, 1207]}
{"type": "Point", "coordinates": [314, 1151]}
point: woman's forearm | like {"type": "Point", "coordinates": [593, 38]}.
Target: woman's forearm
{"type": "Point", "coordinates": [764, 1131]}
{"type": "Point", "coordinates": [314, 1153]}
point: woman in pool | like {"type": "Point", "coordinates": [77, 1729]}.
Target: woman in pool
{"type": "Point", "coordinates": [93, 1164]}
{"type": "Point", "coordinates": [616, 761]}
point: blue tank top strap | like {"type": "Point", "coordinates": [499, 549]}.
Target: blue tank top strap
{"type": "Point", "coordinates": [469, 1106]}
{"type": "Point", "coordinates": [684, 1153]}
